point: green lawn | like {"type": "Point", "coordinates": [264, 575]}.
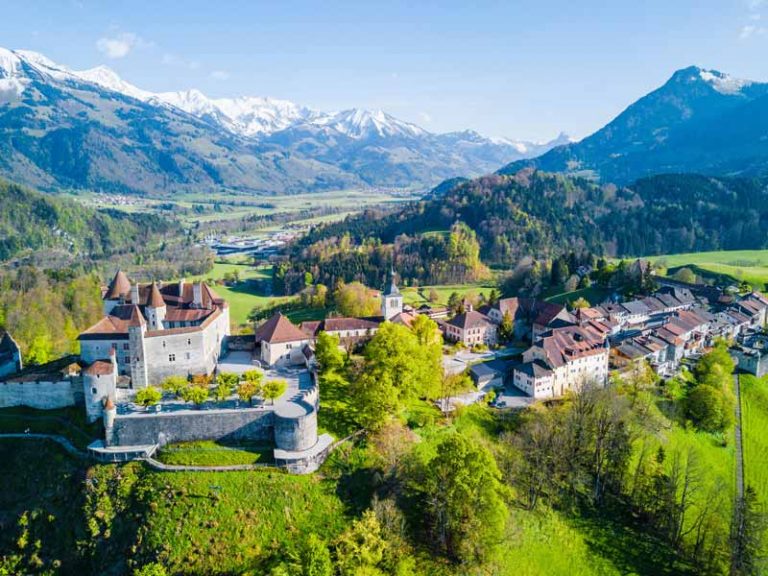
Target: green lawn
{"type": "Point", "coordinates": [68, 422]}
{"type": "Point", "coordinates": [210, 453]}
{"type": "Point", "coordinates": [418, 296]}
{"type": "Point", "coordinates": [594, 295]}
{"type": "Point", "coordinates": [749, 265]}
{"type": "Point", "coordinates": [754, 416]}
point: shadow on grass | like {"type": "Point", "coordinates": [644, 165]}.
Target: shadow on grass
{"type": "Point", "coordinates": [614, 534]}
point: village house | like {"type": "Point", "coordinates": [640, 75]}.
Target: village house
{"type": "Point", "coordinates": [471, 328]}
{"type": "Point", "coordinates": [751, 353]}
{"type": "Point", "coordinates": [561, 360]}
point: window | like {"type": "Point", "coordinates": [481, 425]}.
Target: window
{"type": "Point", "coordinates": [93, 391]}
{"type": "Point", "coordinates": [189, 355]}
{"type": "Point", "coordinates": [189, 341]}
{"type": "Point", "coordinates": [171, 357]}
{"type": "Point", "coordinates": [163, 343]}
{"type": "Point", "coordinates": [126, 346]}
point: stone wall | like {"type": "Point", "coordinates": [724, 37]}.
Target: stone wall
{"type": "Point", "coordinates": [162, 428]}
{"type": "Point", "coordinates": [41, 395]}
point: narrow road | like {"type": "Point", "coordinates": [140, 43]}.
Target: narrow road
{"type": "Point", "coordinates": [739, 448]}
{"type": "Point", "coordinates": [61, 440]}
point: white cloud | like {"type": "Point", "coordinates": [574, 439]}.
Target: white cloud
{"type": "Point", "coordinates": [118, 46]}
{"type": "Point", "coordinates": [173, 60]}
{"type": "Point", "coordinates": [425, 117]}
{"type": "Point", "coordinates": [220, 75]}
{"type": "Point", "coordinates": [749, 30]}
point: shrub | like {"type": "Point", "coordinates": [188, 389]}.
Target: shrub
{"type": "Point", "coordinates": [148, 396]}
{"type": "Point", "coordinates": [175, 385]}
{"type": "Point", "coordinates": [195, 394]}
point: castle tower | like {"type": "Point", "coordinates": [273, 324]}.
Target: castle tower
{"type": "Point", "coordinates": [108, 415]}
{"type": "Point", "coordinates": [155, 308]}
{"type": "Point", "coordinates": [137, 327]}
{"type": "Point", "coordinates": [391, 298]}
{"type": "Point", "coordinates": [117, 291]}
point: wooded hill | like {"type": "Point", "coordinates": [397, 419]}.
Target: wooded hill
{"type": "Point", "coordinates": [31, 221]}
{"type": "Point", "coordinates": [540, 215]}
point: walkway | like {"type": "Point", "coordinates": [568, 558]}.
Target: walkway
{"type": "Point", "coordinates": [60, 440]}
{"type": "Point", "coordinates": [157, 465]}
{"type": "Point", "coordinates": [739, 449]}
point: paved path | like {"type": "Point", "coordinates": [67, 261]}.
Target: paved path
{"type": "Point", "coordinates": [157, 465]}
{"type": "Point", "coordinates": [61, 440]}
{"type": "Point", "coordinates": [739, 448]}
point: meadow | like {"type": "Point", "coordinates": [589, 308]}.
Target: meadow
{"type": "Point", "coordinates": [740, 265]}
{"type": "Point", "coordinates": [754, 416]}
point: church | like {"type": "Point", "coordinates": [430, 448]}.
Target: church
{"type": "Point", "coordinates": [279, 340]}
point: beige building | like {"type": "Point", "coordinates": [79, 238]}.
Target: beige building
{"type": "Point", "coordinates": [561, 360]}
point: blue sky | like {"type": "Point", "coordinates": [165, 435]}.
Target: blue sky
{"type": "Point", "coordinates": [525, 69]}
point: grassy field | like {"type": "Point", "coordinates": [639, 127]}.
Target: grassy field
{"type": "Point", "coordinates": [210, 453]}
{"type": "Point", "coordinates": [754, 415]}
{"type": "Point", "coordinates": [67, 422]}
{"type": "Point", "coordinates": [418, 296]}
{"type": "Point", "coordinates": [748, 265]}
{"type": "Point", "coordinates": [594, 295]}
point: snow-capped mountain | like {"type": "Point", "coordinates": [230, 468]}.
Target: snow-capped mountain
{"type": "Point", "coordinates": [700, 120]}
{"type": "Point", "coordinates": [72, 127]}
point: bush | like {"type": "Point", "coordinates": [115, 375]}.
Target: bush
{"type": "Point", "coordinates": [195, 394]}
{"type": "Point", "coordinates": [704, 407]}
{"type": "Point", "coordinates": [175, 385]}
{"type": "Point", "coordinates": [148, 396]}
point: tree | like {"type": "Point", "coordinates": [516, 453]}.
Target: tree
{"type": "Point", "coordinates": [314, 557]}
{"type": "Point", "coordinates": [152, 569]}
{"type": "Point", "coordinates": [327, 352]}
{"type": "Point", "coordinates": [685, 275]}
{"type": "Point", "coordinates": [433, 296]}
{"type": "Point", "coordinates": [454, 302]}
{"type": "Point", "coordinates": [273, 389]}
{"type": "Point", "coordinates": [704, 406]}
{"type": "Point", "coordinates": [747, 535]}
{"type": "Point", "coordinates": [196, 394]}
{"type": "Point", "coordinates": [148, 396]}
{"type": "Point", "coordinates": [460, 492]}
{"type": "Point", "coordinates": [360, 549]}
{"type": "Point", "coordinates": [355, 300]}
{"type": "Point", "coordinates": [248, 389]}
{"type": "Point", "coordinates": [223, 389]}
{"type": "Point", "coordinates": [493, 297]}
{"type": "Point", "coordinates": [580, 302]}
{"type": "Point", "coordinates": [175, 385]}
{"type": "Point", "coordinates": [507, 328]}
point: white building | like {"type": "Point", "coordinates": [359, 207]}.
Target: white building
{"type": "Point", "coordinates": [158, 331]}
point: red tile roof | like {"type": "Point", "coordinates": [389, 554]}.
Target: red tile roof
{"type": "Point", "coordinates": [120, 286]}
{"type": "Point", "coordinates": [278, 329]}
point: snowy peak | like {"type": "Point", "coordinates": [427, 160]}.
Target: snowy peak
{"type": "Point", "coordinates": [108, 78]}
{"type": "Point", "coordinates": [723, 83]}
{"type": "Point", "coordinates": [358, 123]}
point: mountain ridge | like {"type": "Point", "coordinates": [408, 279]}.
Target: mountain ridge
{"type": "Point", "coordinates": [677, 127]}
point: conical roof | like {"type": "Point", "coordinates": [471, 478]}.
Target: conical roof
{"type": "Point", "coordinates": [155, 297]}
{"type": "Point", "coordinates": [119, 286]}
{"type": "Point", "coordinates": [137, 319]}
{"type": "Point", "coordinates": [390, 289]}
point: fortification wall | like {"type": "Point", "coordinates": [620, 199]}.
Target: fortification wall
{"type": "Point", "coordinates": [162, 428]}
{"type": "Point", "coordinates": [41, 395]}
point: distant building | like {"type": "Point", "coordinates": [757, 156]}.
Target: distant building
{"type": "Point", "coordinates": [10, 355]}
{"type": "Point", "coordinates": [751, 353]}
{"type": "Point", "coordinates": [471, 328]}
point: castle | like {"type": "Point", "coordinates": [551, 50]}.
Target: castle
{"type": "Point", "coordinates": [150, 332]}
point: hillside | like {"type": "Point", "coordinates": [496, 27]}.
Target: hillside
{"type": "Point", "coordinates": [699, 121]}
{"type": "Point", "coordinates": [541, 215]}
{"type": "Point", "coordinates": [61, 128]}
{"type": "Point", "coordinates": [32, 221]}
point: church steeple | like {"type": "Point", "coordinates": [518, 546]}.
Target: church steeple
{"type": "Point", "coordinates": [391, 298]}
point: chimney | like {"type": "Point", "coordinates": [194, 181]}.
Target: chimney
{"type": "Point", "coordinates": [181, 290]}
{"type": "Point", "coordinates": [197, 294]}
{"type": "Point", "coordinates": [135, 293]}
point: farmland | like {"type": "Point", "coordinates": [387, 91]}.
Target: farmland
{"type": "Point", "coordinates": [741, 265]}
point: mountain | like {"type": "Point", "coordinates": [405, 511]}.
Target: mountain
{"type": "Point", "coordinates": [61, 128]}
{"type": "Point", "coordinates": [31, 221]}
{"type": "Point", "coordinates": [699, 121]}
{"type": "Point", "coordinates": [539, 215]}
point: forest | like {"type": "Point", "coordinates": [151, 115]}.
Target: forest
{"type": "Point", "coordinates": [536, 215]}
